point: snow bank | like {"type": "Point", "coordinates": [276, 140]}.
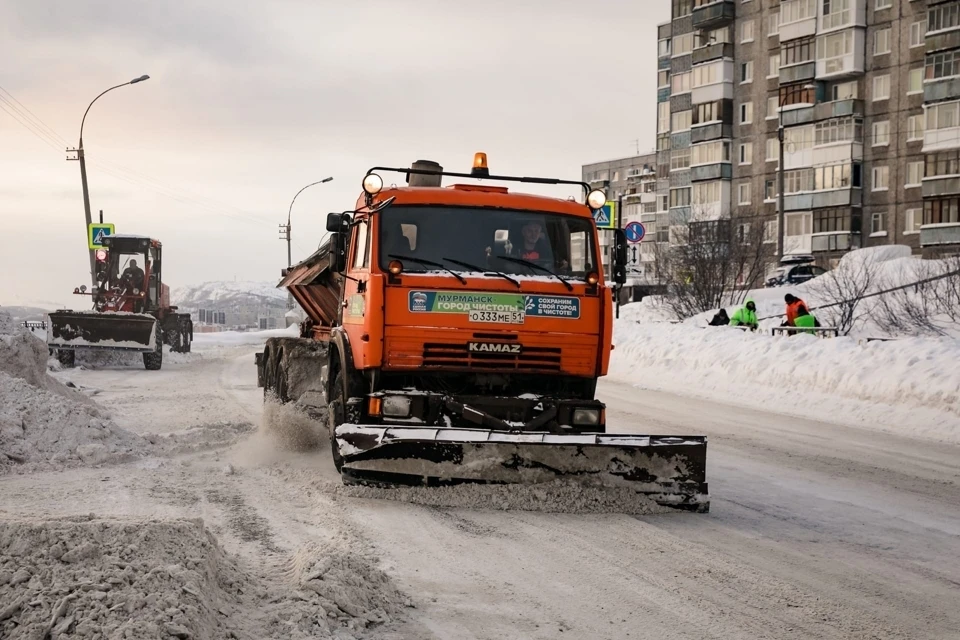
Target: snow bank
{"type": "Point", "coordinates": [909, 386]}
{"type": "Point", "coordinates": [234, 338]}
{"type": "Point", "coordinates": [553, 497]}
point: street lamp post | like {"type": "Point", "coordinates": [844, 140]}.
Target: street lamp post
{"type": "Point", "coordinates": [83, 174]}
{"type": "Point", "coordinates": [285, 230]}
{"type": "Point", "coordinates": [780, 229]}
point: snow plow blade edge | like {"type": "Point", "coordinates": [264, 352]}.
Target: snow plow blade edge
{"type": "Point", "coordinates": [671, 470]}
{"type": "Point", "coordinates": [104, 331]}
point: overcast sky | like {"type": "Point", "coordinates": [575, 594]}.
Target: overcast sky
{"type": "Point", "coordinates": [248, 102]}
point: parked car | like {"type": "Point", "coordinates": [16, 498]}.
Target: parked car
{"type": "Point", "coordinates": [794, 275]}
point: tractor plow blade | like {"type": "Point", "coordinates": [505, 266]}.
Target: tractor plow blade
{"type": "Point", "coordinates": [671, 470]}
{"type": "Point", "coordinates": [107, 331]}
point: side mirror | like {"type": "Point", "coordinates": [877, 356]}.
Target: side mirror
{"type": "Point", "coordinates": [337, 222]}
{"type": "Point", "coordinates": [338, 252]}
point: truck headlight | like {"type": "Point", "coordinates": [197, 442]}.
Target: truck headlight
{"type": "Point", "coordinates": [586, 417]}
{"type": "Point", "coordinates": [396, 407]}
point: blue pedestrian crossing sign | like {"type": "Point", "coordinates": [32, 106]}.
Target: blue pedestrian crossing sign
{"type": "Point", "coordinates": [634, 232]}
{"type": "Point", "coordinates": [96, 232]}
{"type": "Point", "coordinates": [606, 217]}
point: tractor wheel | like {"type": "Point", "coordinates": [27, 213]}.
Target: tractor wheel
{"type": "Point", "coordinates": [154, 359]}
{"type": "Point", "coordinates": [337, 415]}
{"type": "Point", "coordinates": [67, 357]}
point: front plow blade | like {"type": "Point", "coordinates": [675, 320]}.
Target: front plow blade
{"type": "Point", "coordinates": [107, 331]}
{"type": "Point", "coordinates": [670, 470]}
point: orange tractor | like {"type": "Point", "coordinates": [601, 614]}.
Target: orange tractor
{"type": "Point", "coordinates": [131, 307]}
{"type": "Point", "coordinates": [456, 334]}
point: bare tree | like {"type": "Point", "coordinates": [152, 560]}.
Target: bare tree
{"type": "Point", "coordinates": [931, 306]}
{"type": "Point", "coordinates": [841, 292]}
{"type": "Point", "coordinates": [710, 264]}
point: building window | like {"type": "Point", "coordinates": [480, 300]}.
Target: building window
{"type": "Point", "coordinates": [663, 202]}
{"type": "Point", "coordinates": [943, 17]}
{"type": "Point", "coordinates": [706, 193]}
{"type": "Point", "coordinates": [914, 174]}
{"type": "Point", "coordinates": [848, 129]}
{"type": "Point", "coordinates": [680, 83]}
{"type": "Point", "coordinates": [881, 133]}
{"type": "Point", "coordinates": [709, 112]}
{"type": "Point", "coordinates": [881, 178]}
{"type": "Point", "coordinates": [774, 66]}
{"type": "Point", "coordinates": [773, 149]}
{"type": "Point", "coordinates": [941, 211]}
{"type": "Point", "coordinates": [836, 13]}
{"type": "Point", "coordinates": [844, 91]}
{"type": "Point", "coordinates": [798, 138]}
{"type": "Point", "coordinates": [943, 116]}
{"type": "Point", "coordinates": [770, 190]}
{"type": "Point", "coordinates": [743, 193]}
{"type": "Point", "coordinates": [773, 24]}
{"type": "Point", "coordinates": [878, 223]}
{"type": "Point", "coordinates": [663, 117]}
{"type": "Point", "coordinates": [680, 159]}
{"type": "Point", "coordinates": [663, 48]}
{"type": "Point", "coordinates": [710, 153]}
{"type": "Point", "coordinates": [773, 107]}
{"type": "Point", "coordinates": [798, 224]}
{"type": "Point", "coordinates": [918, 32]}
{"type": "Point", "coordinates": [746, 71]}
{"type": "Point", "coordinates": [797, 51]}
{"type": "Point", "coordinates": [942, 65]}
{"type": "Point", "coordinates": [746, 31]}
{"type": "Point", "coordinates": [835, 51]}
{"type": "Point", "coordinates": [663, 79]}
{"type": "Point", "coordinates": [798, 181]}
{"type": "Point", "coordinates": [881, 42]}
{"type": "Point", "coordinates": [682, 45]}
{"type": "Point", "coordinates": [746, 113]}
{"type": "Point", "coordinates": [914, 128]}
{"type": "Point", "coordinates": [707, 74]}
{"type": "Point", "coordinates": [796, 10]}
{"type": "Point", "coordinates": [913, 218]}
{"type": "Point", "coordinates": [769, 231]}
{"type": "Point", "coordinates": [915, 81]}
{"type": "Point", "coordinates": [797, 94]}
{"type": "Point", "coordinates": [837, 176]}
{"type": "Point", "coordinates": [944, 163]}
{"type": "Point", "coordinates": [835, 220]}
{"type": "Point", "coordinates": [681, 121]}
{"type": "Point", "coordinates": [884, 4]}
{"type": "Point", "coordinates": [881, 88]}
{"type": "Point", "coordinates": [680, 197]}
{"type": "Point", "coordinates": [746, 153]}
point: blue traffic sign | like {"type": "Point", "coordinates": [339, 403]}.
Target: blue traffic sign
{"type": "Point", "coordinates": [96, 232]}
{"type": "Point", "coordinates": [634, 232]}
{"type": "Point", "coordinates": [606, 217]}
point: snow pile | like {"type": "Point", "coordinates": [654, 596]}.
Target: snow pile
{"type": "Point", "coordinates": [910, 385]}
{"type": "Point", "coordinates": [206, 341]}
{"type": "Point", "coordinates": [44, 423]}
{"type": "Point", "coordinates": [553, 497]}
{"type": "Point", "coordinates": [81, 577]}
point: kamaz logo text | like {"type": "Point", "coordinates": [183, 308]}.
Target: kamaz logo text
{"type": "Point", "coordinates": [493, 347]}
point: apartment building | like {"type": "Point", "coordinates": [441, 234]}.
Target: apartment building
{"type": "Point", "coordinates": [632, 184]}
{"type": "Point", "coordinates": [852, 83]}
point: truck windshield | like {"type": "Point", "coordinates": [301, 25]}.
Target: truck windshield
{"type": "Point", "coordinates": [501, 240]}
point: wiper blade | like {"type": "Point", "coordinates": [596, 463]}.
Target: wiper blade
{"type": "Point", "coordinates": [482, 270]}
{"type": "Point", "coordinates": [430, 263]}
{"type": "Point", "coordinates": [534, 265]}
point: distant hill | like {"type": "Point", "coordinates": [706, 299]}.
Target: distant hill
{"type": "Point", "coordinates": [21, 313]}
{"type": "Point", "coordinates": [230, 295]}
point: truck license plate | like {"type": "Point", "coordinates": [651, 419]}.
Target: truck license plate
{"type": "Point", "coordinates": [502, 317]}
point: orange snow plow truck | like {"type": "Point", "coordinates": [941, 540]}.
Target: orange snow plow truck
{"type": "Point", "coordinates": [456, 334]}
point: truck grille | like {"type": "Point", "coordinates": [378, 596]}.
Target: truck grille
{"type": "Point", "coordinates": [532, 358]}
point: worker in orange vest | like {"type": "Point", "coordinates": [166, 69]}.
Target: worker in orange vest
{"type": "Point", "coordinates": [793, 306]}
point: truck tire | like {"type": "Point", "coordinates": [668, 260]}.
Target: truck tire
{"type": "Point", "coordinates": [67, 357]}
{"type": "Point", "coordinates": [336, 416]}
{"type": "Point", "coordinates": [280, 384]}
{"type": "Point", "coordinates": [153, 360]}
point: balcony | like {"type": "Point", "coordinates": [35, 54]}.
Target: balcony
{"type": "Point", "coordinates": [798, 72]}
{"type": "Point", "coordinates": [852, 197]}
{"type": "Point", "coordinates": [943, 41]}
{"type": "Point", "coordinates": [680, 140]}
{"type": "Point", "coordinates": [714, 15]}
{"type": "Point", "coordinates": [797, 245]}
{"type": "Point", "coordinates": [941, 186]}
{"type": "Point", "coordinates": [715, 171]}
{"type": "Point", "coordinates": [837, 153]}
{"type": "Point", "coordinates": [941, 139]}
{"type": "Point", "coordinates": [798, 201]}
{"type": "Point", "coordinates": [834, 241]}
{"type": "Point", "coordinates": [941, 90]}
{"type": "Point", "coordinates": [938, 234]}
{"type": "Point", "coordinates": [845, 65]}
{"type": "Point", "coordinates": [664, 31]}
{"type": "Point", "coordinates": [679, 216]}
{"type": "Point", "coordinates": [792, 116]}
{"type": "Point", "coordinates": [838, 108]}
{"type": "Point", "coordinates": [715, 51]}
{"type": "Point", "coordinates": [722, 90]}
{"type": "Point", "coordinates": [663, 95]}
{"type": "Point", "coordinates": [708, 132]}
{"type": "Point", "coordinates": [663, 64]}
{"type": "Point", "coordinates": [799, 29]}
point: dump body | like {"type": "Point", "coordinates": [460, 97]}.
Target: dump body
{"type": "Point", "coordinates": [464, 331]}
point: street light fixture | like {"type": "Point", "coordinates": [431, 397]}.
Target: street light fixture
{"type": "Point", "coordinates": [780, 229]}
{"type": "Point", "coordinates": [83, 172]}
{"type": "Point", "coordinates": [285, 230]}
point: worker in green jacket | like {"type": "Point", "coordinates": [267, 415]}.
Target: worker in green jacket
{"type": "Point", "coordinates": [806, 320]}
{"type": "Point", "coordinates": [746, 316]}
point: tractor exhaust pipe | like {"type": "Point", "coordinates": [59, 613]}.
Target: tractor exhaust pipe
{"type": "Point", "coordinates": [420, 180]}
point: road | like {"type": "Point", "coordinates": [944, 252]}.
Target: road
{"type": "Point", "coordinates": [815, 531]}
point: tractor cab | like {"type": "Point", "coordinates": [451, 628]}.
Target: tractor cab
{"type": "Point", "coordinates": [128, 275]}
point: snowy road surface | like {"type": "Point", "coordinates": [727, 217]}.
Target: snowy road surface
{"type": "Point", "coordinates": [816, 530]}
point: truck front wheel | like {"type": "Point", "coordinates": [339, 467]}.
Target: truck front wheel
{"type": "Point", "coordinates": [337, 416]}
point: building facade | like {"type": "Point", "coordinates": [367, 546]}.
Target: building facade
{"type": "Point", "coordinates": [632, 184]}
{"type": "Point", "coordinates": [868, 97]}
